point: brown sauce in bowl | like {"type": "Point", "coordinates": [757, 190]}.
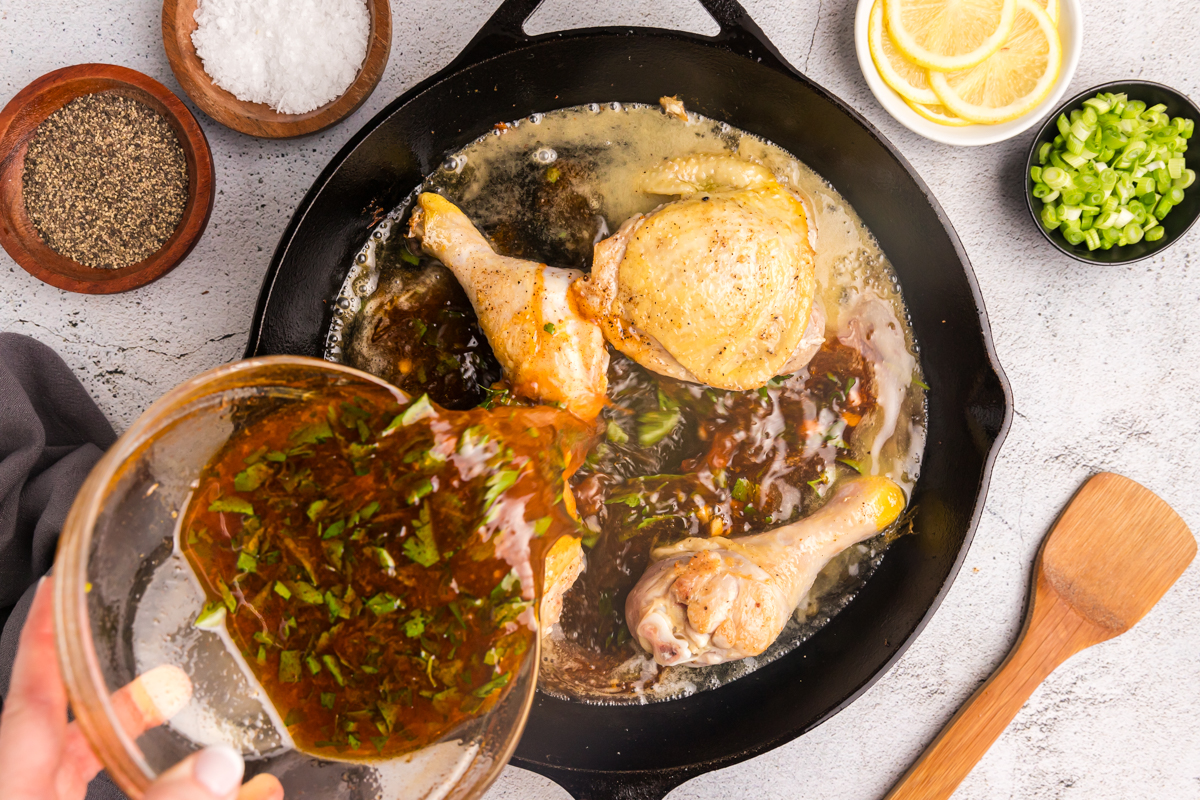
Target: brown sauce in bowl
{"type": "Point", "coordinates": [373, 560]}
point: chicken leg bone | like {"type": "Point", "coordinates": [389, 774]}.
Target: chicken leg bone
{"type": "Point", "coordinates": [706, 601]}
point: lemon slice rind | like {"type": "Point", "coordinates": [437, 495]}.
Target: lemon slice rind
{"type": "Point", "coordinates": [938, 113]}
{"type": "Point", "coordinates": [947, 86]}
{"type": "Point", "coordinates": [914, 51]}
{"type": "Point", "coordinates": [889, 65]}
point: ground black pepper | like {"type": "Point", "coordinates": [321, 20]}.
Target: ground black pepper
{"type": "Point", "coordinates": [105, 181]}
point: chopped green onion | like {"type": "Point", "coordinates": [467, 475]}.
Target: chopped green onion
{"type": "Point", "coordinates": [1073, 197]}
{"type": "Point", "coordinates": [1114, 170]}
{"type": "Point", "coordinates": [1113, 138]}
{"type": "Point", "coordinates": [1049, 218]}
{"type": "Point", "coordinates": [1076, 160]}
{"type": "Point", "coordinates": [1055, 178]}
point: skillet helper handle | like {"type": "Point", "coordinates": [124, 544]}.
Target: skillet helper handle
{"type": "Point", "coordinates": [617, 785]}
{"type": "Point", "coordinates": [505, 31]}
{"type": "Point", "coordinates": [741, 34]}
{"type": "Point", "coordinates": [1053, 632]}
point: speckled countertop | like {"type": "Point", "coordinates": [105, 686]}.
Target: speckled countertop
{"type": "Point", "coordinates": [1102, 361]}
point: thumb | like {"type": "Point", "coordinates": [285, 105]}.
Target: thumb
{"type": "Point", "coordinates": [214, 773]}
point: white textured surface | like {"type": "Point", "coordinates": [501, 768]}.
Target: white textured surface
{"type": "Point", "coordinates": [1103, 364]}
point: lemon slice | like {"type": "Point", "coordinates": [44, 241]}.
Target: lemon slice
{"type": "Point", "coordinates": [1051, 9]}
{"type": "Point", "coordinates": [948, 35]}
{"type": "Point", "coordinates": [1011, 82]}
{"type": "Point", "coordinates": [910, 81]}
{"type": "Point", "coordinates": [938, 113]}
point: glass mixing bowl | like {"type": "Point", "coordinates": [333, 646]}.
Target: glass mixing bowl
{"type": "Point", "coordinates": [125, 599]}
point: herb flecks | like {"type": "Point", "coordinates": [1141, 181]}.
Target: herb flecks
{"type": "Point", "coordinates": [348, 546]}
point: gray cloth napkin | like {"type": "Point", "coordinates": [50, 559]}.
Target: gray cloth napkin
{"type": "Point", "coordinates": [51, 435]}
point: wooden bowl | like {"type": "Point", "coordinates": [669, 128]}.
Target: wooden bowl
{"type": "Point", "coordinates": [18, 121]}
{"type": "Point", "coordinates": [258, 119]}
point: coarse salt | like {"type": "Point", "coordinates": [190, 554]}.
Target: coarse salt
{"type": "Point", "coordinates": [293, 55]}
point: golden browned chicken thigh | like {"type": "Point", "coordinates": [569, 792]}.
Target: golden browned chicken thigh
{"type": "Point", "coordinates": [715, 287]}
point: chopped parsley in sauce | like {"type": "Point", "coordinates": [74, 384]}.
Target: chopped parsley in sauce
{"type": "Point", "coordinates": [373, 559]}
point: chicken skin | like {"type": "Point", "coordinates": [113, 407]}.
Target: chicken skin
{"type": "Point", "coordinates": [715, 287]}
{"type": "Point", "coordinates": [564, 563]}
{"type": "Point", "coordinates": [706, 601]}
{"type": "Point", "coordinates": [547, 350]}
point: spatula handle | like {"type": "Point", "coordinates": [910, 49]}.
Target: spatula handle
{"type": "Point", "coordinates": [1052, 633]}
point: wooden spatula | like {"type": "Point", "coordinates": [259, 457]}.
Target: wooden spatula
{"type": "Point", "coordinates": [1113, 553]}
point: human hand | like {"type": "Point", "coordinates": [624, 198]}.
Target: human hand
{"type": "Point", "coordinates": [42, 757]}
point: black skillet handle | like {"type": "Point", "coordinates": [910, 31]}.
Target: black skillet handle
{"type": "Point", "coordinates": [505, 32]}
{"type": "Point", "coordinates": [587, 785]}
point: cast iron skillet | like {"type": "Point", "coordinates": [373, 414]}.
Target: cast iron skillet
{"type": "Point", "coordinates": [739, 77]}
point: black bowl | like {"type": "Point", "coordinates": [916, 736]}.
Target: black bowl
{"type": "Point", "coordinates": [1181, 218]}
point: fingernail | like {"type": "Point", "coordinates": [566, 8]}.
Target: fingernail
{"type": "Point", "coordinates": [219, 769]}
